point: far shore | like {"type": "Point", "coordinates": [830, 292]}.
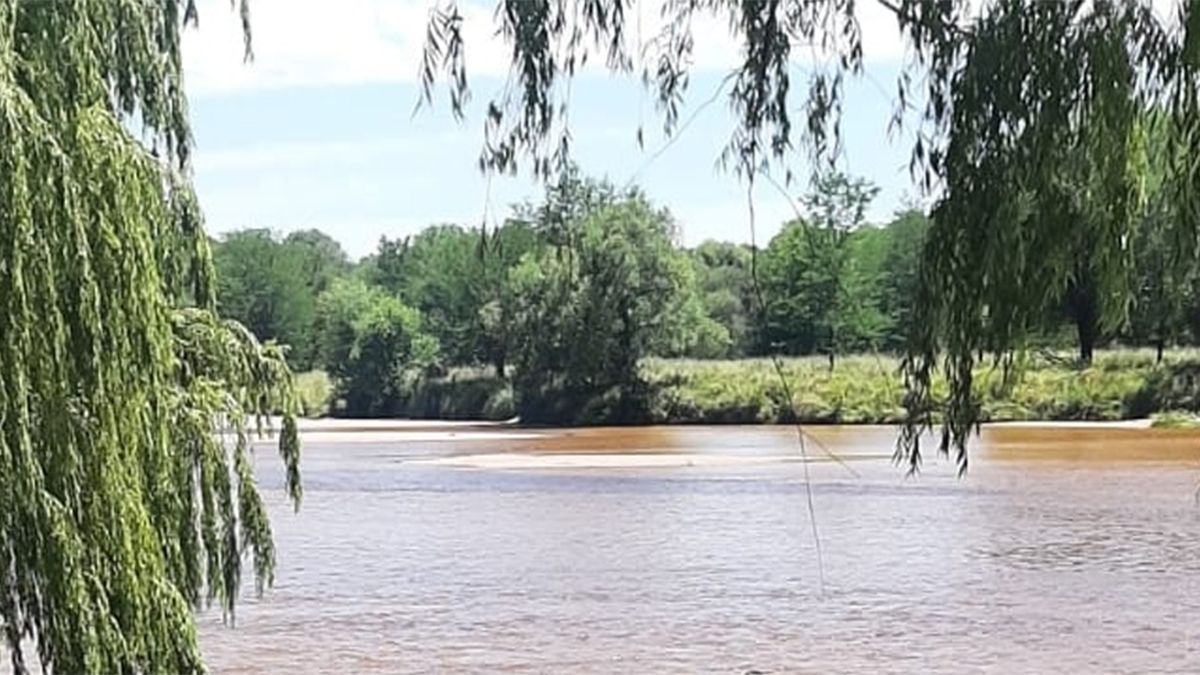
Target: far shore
{"type": "Point", "coordinates": [1122, 388]}
{"type": "Point", "coordinates": [327, 430]}
{"type": "Point", "coordinates": [349, 425]}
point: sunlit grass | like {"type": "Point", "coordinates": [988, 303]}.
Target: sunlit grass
{"type": "Point", "coordinates": [314, 389]}
{"type": "Point", "coordinates": [1120, 384]}
{"type": "Point", "coordinates": [1175, 419]}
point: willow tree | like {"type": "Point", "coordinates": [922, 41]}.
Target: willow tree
{"type": "Point", "coordinates": [126, 404]}
{"type": "Point", "coordinates": [1014, 103]}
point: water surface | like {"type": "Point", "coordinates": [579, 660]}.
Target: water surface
{"type": "Point", "coordinates": [1062, 551]}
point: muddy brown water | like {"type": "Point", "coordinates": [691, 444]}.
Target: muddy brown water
{"type": "Point", "coordinates": [1062, 550]}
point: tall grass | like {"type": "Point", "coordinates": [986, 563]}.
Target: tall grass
{"type": "Point", "coordinates": [867, 389]}
{"type": "Point", "coordinates": [1175, 419]}
{"type": "Point", "coordinates": [860, 389]}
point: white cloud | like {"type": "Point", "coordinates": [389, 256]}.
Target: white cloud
{"type": "Point", "coordinates": [316, 42]}
{"type": "Point", "coordinates": [320, 43]}
{"type": "Point", "coordinates": [342, 153]}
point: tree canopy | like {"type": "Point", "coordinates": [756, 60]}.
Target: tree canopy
{"type": "Point", "coordinates": [270, 285]}
{"type": "Point", "coordinates": [537, 305]}
{"type": "Point", "coordinates": [122, 506]}
{"type": "Point", "coordinates": [826, 284]}
{"type": "Point", "coordinates": [587, 315]}
{"type": "Point", "coordinates": [1015, 96]}
{"type": "Point", "coordinates": [371, 342]}
{"type": "Point", "coordinates": [818, 281]}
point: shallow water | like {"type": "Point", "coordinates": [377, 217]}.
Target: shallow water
{"type": "Point", "coordinates": [1061, 551]}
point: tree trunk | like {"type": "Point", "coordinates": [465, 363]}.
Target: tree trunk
{"type": "Point", "coordinates": [1081, 306]}
{"type": "Point", "coordinates": [1158, 348]}
{"type": "Point", "coordinates": [832, 347]}
{"type": "Point", "coordinates": [1085, 325]}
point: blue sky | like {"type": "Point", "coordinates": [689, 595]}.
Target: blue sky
{"type": "Point", "coordinates": [319, 130]}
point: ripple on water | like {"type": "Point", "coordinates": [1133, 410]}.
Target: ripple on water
{"type": "Point", "coordinates": [1042, 559]}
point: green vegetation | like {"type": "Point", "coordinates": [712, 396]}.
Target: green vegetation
{"type": "Point", "coordinates": [314, 393]}
{"type": "Point", "coordinates": [565, 299]}
{"type": "Point", "coordinates": [578, 310]}
{"type": "Point", "coordinates": [1126, 384]}
{"type": "Point", "coordinates": [861, 389]}
{"type": "Point", "coordinates": [588, 314]}
{"type": "Point", "coordinates": [1048, 131]}
{"type": "Point", "coordinates": [463, 393]}
{"type": "Point", "coordinates": [271, 285]}
{"type": "Point", "coordinates": [373, 345]}
{"type": "Point", "coordinates": [820, 274]}
{"type": "Point", "coordinates": [123, 506]}
{"type": "Point", "coordinates": [1175, 420]}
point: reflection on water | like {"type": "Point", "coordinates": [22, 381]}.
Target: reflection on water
{"type": "Point", "coordinates": [1064, 551]}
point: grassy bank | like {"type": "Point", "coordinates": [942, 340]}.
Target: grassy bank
{"type": "Point", "coordinates": [860, 390]}
{"type": "Point", "coordinates": [867, 389]}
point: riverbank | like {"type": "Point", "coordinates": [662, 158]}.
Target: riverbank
{"type": "Point", "coordinates": [335, 430]}
{"type": "Point", "coordinates": [1120, 385]}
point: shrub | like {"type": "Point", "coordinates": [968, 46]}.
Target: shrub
{"type": "Point", "coordinates": [462, 393]}
{"type": "Point", "coordinates": [314, 389]}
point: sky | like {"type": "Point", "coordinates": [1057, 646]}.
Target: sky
{"type": "Point", "coordinates": [319, 129]}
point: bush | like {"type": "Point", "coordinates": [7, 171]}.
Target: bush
{"type": "Point", "coordinates": [500, 405]}
{"type": "Point", "coordinates": [462, 393]}
{"type": "Point", "coordinates": [374, 346]}
{"type": "Point", "coordinates": [314, 390]}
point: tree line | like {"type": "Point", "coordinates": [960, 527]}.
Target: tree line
{"type": "Point", "coordinates": [570, 293]}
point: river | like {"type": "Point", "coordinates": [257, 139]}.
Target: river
{"type": "Point", "coordinates": [691, 550]}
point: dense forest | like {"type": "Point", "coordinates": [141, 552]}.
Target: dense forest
{"type": "Point", "coordinates": [568, 297]}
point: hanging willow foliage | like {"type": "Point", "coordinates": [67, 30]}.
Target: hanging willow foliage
{"type": "Point", "coordinates": [1030, 112]}
{"type": "Point", "coordinates": [126, 405]}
